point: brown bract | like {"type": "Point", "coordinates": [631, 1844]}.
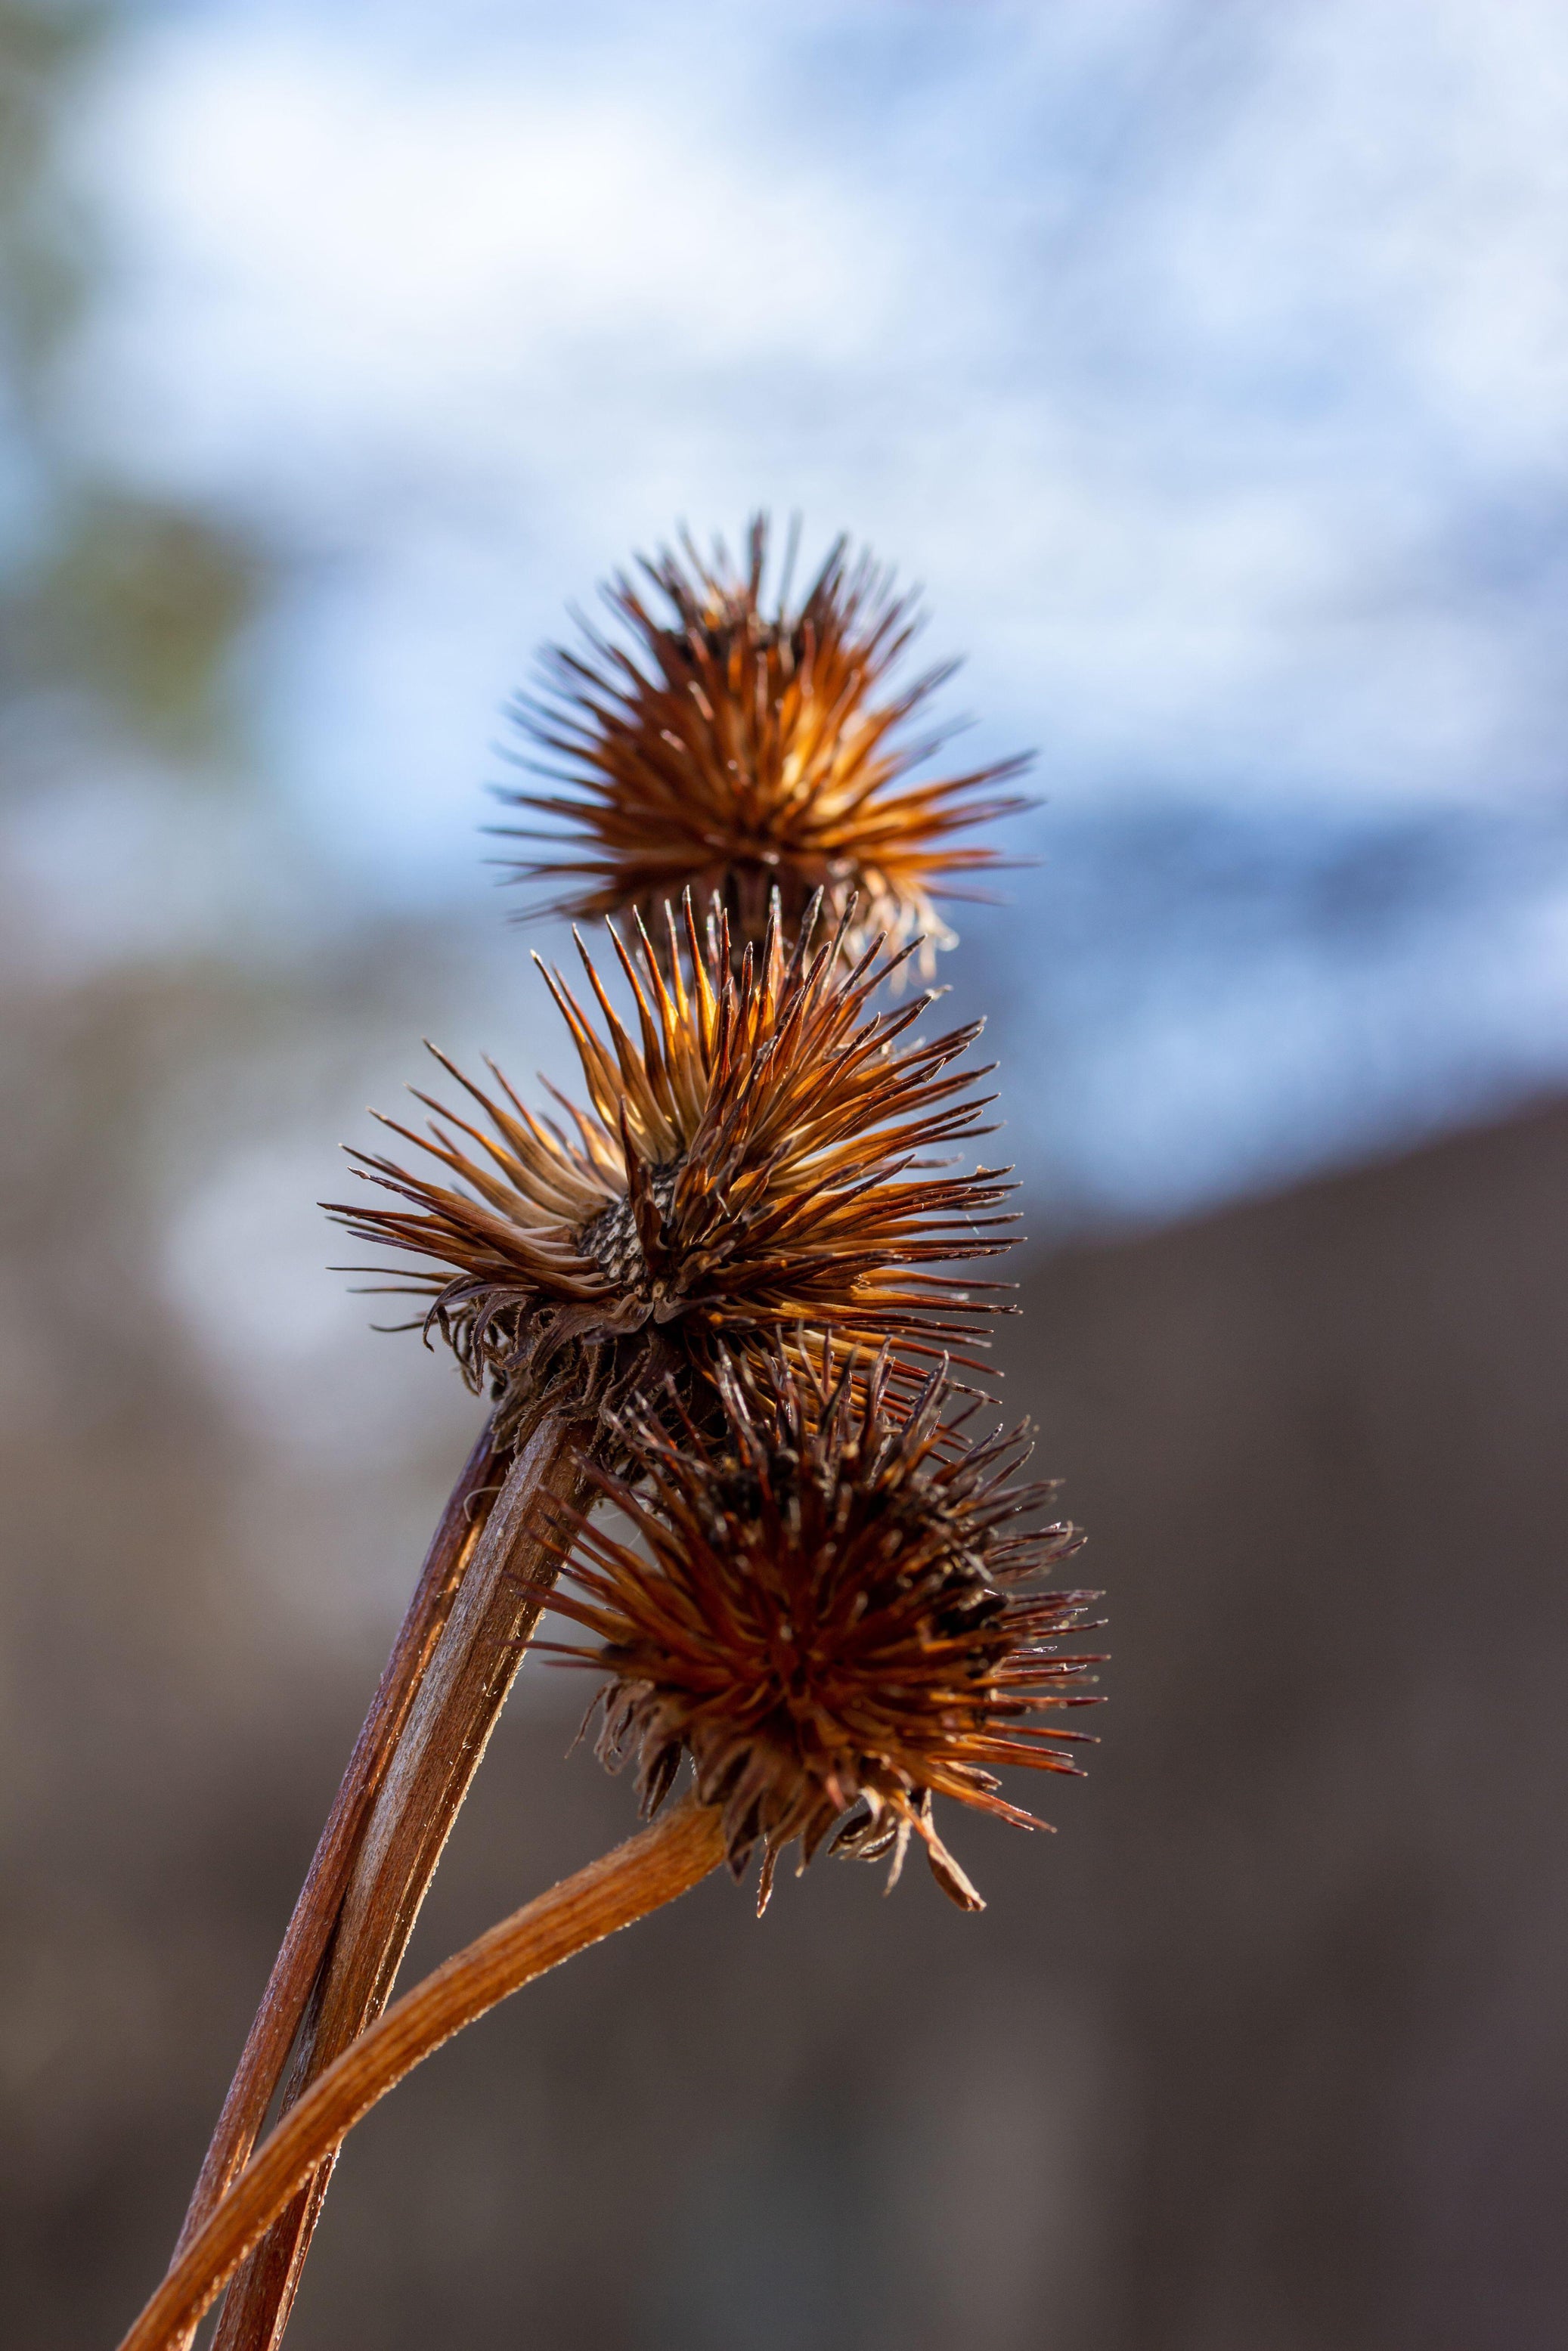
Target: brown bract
{"type": "Point", "coordinates": [753, 1161]}
{"type": "Point", "coordinates": [827, 1622]}
{"type": "Point", "coordinates": [742, 745]}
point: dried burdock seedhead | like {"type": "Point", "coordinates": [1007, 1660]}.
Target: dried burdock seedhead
{"type": "Point", "coordinates": [744, 745]}
{"type": "Point", "coordinates": [752, 1162]}
{"type": "Point", "coordinates": [829, 1622]}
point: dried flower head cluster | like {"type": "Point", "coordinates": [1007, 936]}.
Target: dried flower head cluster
{"type": "Point", "coordinates": [752, 1160]}
{"type": "Point", "coordinates": [715, 1290]}
{"type": "Point", "coordinates": [743, 747]}
{"type": "Point", "coordinates": [827, 1622]}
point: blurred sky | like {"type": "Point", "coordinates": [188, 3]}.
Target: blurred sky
{"type": "Point", "coordinates": [1205, 362]}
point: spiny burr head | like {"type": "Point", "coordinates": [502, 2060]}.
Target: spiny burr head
{"type": "Point", "coordinates": [824, 1616]}
{"type": "Point", "coordinates": [747, 745]}
{"type": "Point", "coordinates": [752, 1160]}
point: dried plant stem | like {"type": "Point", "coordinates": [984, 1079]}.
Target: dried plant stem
{"type": "Point", "coordinates": [294, 1971]}
{"type": "Point", "coordinates": [446, 1728]}
{"type": "Point", "coordinates": [666, 1860]}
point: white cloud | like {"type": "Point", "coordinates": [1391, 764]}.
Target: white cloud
{"type": "Point", "coordinates": [1176, 348]}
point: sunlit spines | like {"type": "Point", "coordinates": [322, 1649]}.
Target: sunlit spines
{"type": "Point", "coordinates": [825, 1614]}
{"type": "Point", "coordinates": [753, 1165]}
{"type": "Point", "coordinates": [748, 748]}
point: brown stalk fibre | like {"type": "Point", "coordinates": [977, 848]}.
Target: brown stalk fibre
{"type": "Point", "coordinates": [752, 1162]}
{"type": "Point", "coordinates": [437, 1749]}
{"type": "Point", "coordinates": [743, 745]}
{"type": "Point", "coordinates": [638, 1876]}
{"type": "Point", "coordinates": [828, 1622]}
{"type": "Point", "coordinates": [316, 1911]}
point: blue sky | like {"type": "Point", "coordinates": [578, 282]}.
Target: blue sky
{"type": "Point", "coordinates": [1208, 363]}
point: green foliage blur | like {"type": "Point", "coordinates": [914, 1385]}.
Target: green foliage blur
{"type": "Point", "coordinates": [127, 604]}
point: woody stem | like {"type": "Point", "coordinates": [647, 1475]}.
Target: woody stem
{"type": "Point", "coordinates": [648, 1871]}
{"type": "Point", "coordinates": [445, 1726]}
{"type": "Point", "coordinates": [294, 1970]}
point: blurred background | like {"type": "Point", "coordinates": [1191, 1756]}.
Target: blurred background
{"type": "Point", "coordinates": [1206, 360]}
